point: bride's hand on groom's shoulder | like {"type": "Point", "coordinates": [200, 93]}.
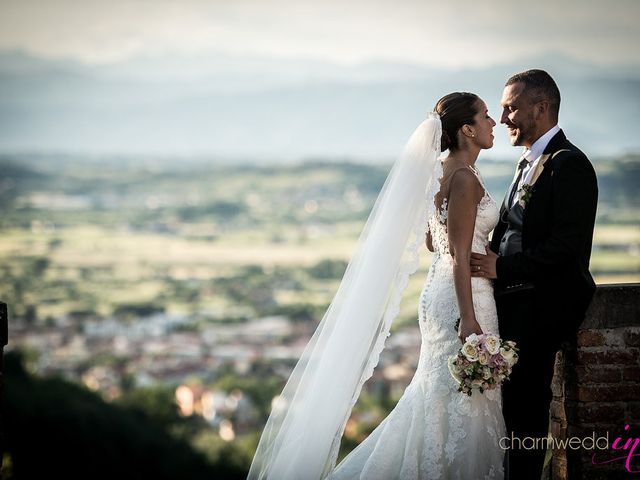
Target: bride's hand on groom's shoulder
{"type": "Point", "coordinates": [467, 327]}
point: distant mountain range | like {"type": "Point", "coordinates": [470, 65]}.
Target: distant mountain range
{"type": "Point", "coordinates": [239, 108]}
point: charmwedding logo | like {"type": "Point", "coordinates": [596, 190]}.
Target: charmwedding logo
{"type": "Point", "coordinates": [591, 442]}
{"type": "Point", "coordinates": [622, 449]}
{"type": "Point", "coordinates": [628, 448]}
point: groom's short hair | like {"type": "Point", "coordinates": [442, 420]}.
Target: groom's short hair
{"type": "Point", "coordinates": [539, 85]}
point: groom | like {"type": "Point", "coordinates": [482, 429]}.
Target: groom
{"type": "Point", "coordinates": [539, 257]}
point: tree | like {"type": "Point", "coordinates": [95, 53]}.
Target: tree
{"type": "Point", "coordinates": [56, 428]}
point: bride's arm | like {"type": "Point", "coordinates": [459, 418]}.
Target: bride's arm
{"type": "Point", "coordinates": [429, 241]}
{"type": "Point", "coordinates": [464, 195]}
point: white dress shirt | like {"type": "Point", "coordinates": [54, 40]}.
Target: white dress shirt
{"type": "Point", "coordinates": [532, 155]}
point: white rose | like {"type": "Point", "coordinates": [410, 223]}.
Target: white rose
{"type": "Point", "coordinates": [506, 354]}
{"type": "Point", "coordinates": [486, 373]}
{"type": "Point", "coordinates": [484, 358]}
{"type": "Point", "coordinates": [511, 358]}
{"type": "Point", "coordinates": [492, 344]}
{"type": "Point", "coordinates": [472, 339]}
{"type": "Point", "coordinates": [470, 351]}
{"type": "Point", "coordinates": [454, 370]}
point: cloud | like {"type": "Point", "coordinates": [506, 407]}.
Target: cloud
{"type": "Point", "coordinates": [438, 33]}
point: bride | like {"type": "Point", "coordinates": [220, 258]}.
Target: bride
{"type": "Point", "coordinates": [434, 431]}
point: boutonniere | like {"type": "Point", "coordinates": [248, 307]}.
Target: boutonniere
{"type": "Point", "coordinates": [525, 194]}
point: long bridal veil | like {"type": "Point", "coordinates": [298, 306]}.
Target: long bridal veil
{"type": "Point", "coordinates": [302, 436]}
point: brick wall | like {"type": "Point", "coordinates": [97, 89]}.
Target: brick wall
{"type": "Point", "coordinates": [596, 387]}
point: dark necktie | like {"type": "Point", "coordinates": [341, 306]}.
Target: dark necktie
{"type": "Point", "coordinates": [514, 189]}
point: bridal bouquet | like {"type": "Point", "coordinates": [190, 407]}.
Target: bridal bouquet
{"type": "Point", "coordinates": [483, 362]}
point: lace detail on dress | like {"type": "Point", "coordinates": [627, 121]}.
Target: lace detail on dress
{"type": "Point", "coordinates": [435, 431]}
{"type": "Point", "coordinates": [438, 222]}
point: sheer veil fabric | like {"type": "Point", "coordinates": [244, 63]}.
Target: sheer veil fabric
{"type": "Point", "coordinates": [302, 436]}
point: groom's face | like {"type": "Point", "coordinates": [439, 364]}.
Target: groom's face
{"type": "Point", "coordinates": [518, 115]}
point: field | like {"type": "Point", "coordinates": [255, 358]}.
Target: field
{"type": "Point", "coordinates": [87, 237]}
{"type": "Point", "coordinates": [98, 241]}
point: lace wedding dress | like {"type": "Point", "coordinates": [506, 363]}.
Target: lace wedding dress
{"type": "Point", "coordinates": [436, 432]}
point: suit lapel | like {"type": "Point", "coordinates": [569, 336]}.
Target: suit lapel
{"type": "Point", "coordinates": [539, 167]}
{"type": "Point", "coordinates": [553, 148]}
{"type": "Point", "coordinates": [554, 144]}
{"type": "Point", "coordinates": [549, 152]}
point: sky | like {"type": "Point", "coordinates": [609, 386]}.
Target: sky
{"type": "Point", "coordinates": [299, 77]}
{"type": "Point", "coordinates": [436, 33]}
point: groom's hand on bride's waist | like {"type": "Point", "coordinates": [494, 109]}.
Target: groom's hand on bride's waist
{"type": "Point", "coordinates": [484, 265]}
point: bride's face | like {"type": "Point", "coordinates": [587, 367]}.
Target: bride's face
{"type": "Point", "coordinates": [483, 126]}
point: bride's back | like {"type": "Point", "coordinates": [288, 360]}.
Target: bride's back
{"type": "Point", "coordinates": [486, 215]}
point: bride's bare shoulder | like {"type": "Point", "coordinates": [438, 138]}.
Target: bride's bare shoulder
{"type": "Point", "coordinates": [462, 182]}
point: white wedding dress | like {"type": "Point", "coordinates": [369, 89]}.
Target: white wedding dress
{"type": "Point", "coordinates": [436, 432]}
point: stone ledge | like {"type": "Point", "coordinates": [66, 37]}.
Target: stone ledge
{"type": "Point", "coordinates": [615, 305]}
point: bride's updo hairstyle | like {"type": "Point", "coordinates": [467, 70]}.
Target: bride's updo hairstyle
{"type": "Point", "coordinates": [455, 110]}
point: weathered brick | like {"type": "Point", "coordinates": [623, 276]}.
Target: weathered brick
{"type": "Point", "coordinates": [585, 430]}
{"type": "Point", "coordinates": [631, 374]}
{"type": "Point", "coordinates": [571, 392]}
{"type": "Point", "coordinates": [559, 464]}
{"type": "Point", "coordinates": [557, 429]}
{"type": "Point", "coordinates": [632, 412]}
{"type": "Point", "coordinates": [608, 357]}
{"type": "Point", "coordinates": [560, 457]}
{"type": "Point", "coordinates": [608, 393]}
{"type": "Point", "coordinates": [603, 472]}
{"type": "Point", "coordinates": [596, 413]}
{"type": "Point", "coordinates": [632, 338]}
{"type": "Point", "coordinates": [557, 410]}
{"type": "Point", "coordinates": [611, 374]}
{"type": "Point", "coordinates": [579, 370]}
{"type": "Point", "coordinates": [557, 387]}
{"type": "Point", "coordinates": [614, 337]}
{"type": "Point", "coordinates": [590, 338]}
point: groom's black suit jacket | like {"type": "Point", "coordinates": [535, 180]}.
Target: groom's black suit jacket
{"type": "Point", "coordinates": [557, 232]}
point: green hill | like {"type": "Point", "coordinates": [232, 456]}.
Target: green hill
{"type": "Point", "coordinates": [54, 428]}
